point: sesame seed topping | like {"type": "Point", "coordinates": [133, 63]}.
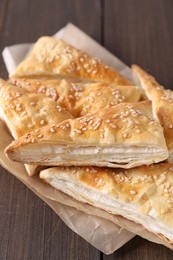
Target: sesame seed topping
{"type": "Point", "coordinates": [42, 122]}
{"type": "Point", "coordinates": [18, 94]}
{"type": "Point", "coordinates": [40, 135]}
{"type": "Point", "coordinates": [125, 135]}
{"type": "Point", "coordinates": [18, 108]}
{"type": "Point", "coordinates": [12, 106]}
{"type": "Point", "coordinates": [108, 121]}
{"type": "Point", "coordinates": [59, 108]}
{"type": "Point", "coordinates": [42, 89]}
{"type": "Point", "coordinates": [78, 131]}
{"type": "Point", "coordinates": [86, 65]}
{"type": "Point", "coordinates": [82, 59]}
{"type": "Point", "coordinates": [133, 192]}
{"type": "Point", "coordinates": [112, 125]}
{"type": "Point", "coordinates": [32, 103]}
{"type": "Point", "coordinates": [52, 129]}
{"type": "Point", "coordinates": [138, 131]}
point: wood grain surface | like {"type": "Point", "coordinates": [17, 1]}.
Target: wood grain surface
{"type": "Point", "coordinates": [137, 32]}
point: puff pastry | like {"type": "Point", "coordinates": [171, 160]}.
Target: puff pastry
{"type": "Point", "coordinates": [23, 111]}
{"type": "Point", "coordinates": [162, 104]}
{"type": "Point", "coordinates": [143, 194]}
{"type": "Point", "coordinates": [51, 57]}
{"type": "Point", "coordinates": [81, 98]}
{"type": "Point", "coordinates": [121, 136]}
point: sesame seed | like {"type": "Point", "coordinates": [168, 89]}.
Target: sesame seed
{"type": "Point", "coordinates": [70, 56]}
{"type": "Point", "coordinates": [32, 103]}
{"type": "Point", "coordinates": [40, 135]}
{"type": "Point", "coordinates": [42, 122]}
{"type": "Point", "coordinates": [133, 192]}
{"type": "Point", "coordinates": [78, 131]}
{"type": "Point", "coordinates": [112, 125]}
{"type": "Point", "coordinates": [12, 106]}
{"type": "Point", "coordinates": [81, 59]}
{"type": "Point", "coordinates": [42, 89]}
{"type": "Point", "coordinates": [52, 129]}
{"type": "Point", "coordinates": [71, 97]}
{"type": "Point", "coordinates": [18, 94]}
{"type": "Point", "coordinates": [108, 121]}
{"type": "Point", "coordinates": [32, 140]}
{"type": "Point", "coordinates": [18, 108]}
{"type": "Point", "coordinates": [86, 65]}
{"type": "Point", "coordinates": [59, 108]}
{"type": "Point", "coordinates": [125, 135]}
{"type": "Point", "coordinates": [138, 131]}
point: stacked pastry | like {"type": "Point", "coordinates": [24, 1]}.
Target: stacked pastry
{"type": "Point", "coordinates": [88, 126]}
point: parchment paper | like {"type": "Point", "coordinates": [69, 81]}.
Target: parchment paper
{"type": "Point", "coordinates": [98, 227]}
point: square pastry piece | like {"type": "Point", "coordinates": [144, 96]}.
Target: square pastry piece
{"type": "Point", "coordinates": [81, 98]}
{"type": "Point", "coordinates": [143, 194]}
{"type": "Point", "coordinates": [121, 136]}
{"type": "Point", "coordinates": [55, 58]}
{"type": "Point", "coordinates": [162, 100]}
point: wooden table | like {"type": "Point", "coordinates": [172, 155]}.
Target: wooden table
{"type": "Point", "coordinates": [137, 32]}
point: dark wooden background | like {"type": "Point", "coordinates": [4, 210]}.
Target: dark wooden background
{"type": "Point", "coordinates": [137, 32]}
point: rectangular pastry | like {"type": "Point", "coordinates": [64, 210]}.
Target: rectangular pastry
{"type": "Point", "coordinates": [121, 136]}
{"type": "Point", "coordinates": [55, 58]}
{"type": "Point", "coordinates": [143, 194]}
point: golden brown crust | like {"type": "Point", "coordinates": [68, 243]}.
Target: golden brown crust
{"type": "Point", "coordinates": [145, 191]}
{"type": "Point", "coordinates": [124, 125]}
{"type": "Point", "coordinates": [81, 98]}
{"type": "Point", "coordinates": [162, 102]}
{"type": "Point", "coordinates": [23, 111]}
{"type": "Point", "coordinates": [51, 57]}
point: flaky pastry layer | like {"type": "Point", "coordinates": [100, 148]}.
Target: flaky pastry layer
{"type": "Point", "coordinates": [142, 194]}
{"type": "Point", "coordinates": [124, 136]}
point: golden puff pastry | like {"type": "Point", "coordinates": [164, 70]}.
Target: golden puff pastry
{"type": "Point", "coordinates": [162, 104]}
{"type": "Point", "coordinates": [81, 98]}
{"type": "Point", "coordinates": [122, 136]}
{"type": "Point", "coordinates": [23, 111]}
{"type": "Point", "coordinates": [143, 194]}
{"type": "Point", "coordinates": [53, 57]}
